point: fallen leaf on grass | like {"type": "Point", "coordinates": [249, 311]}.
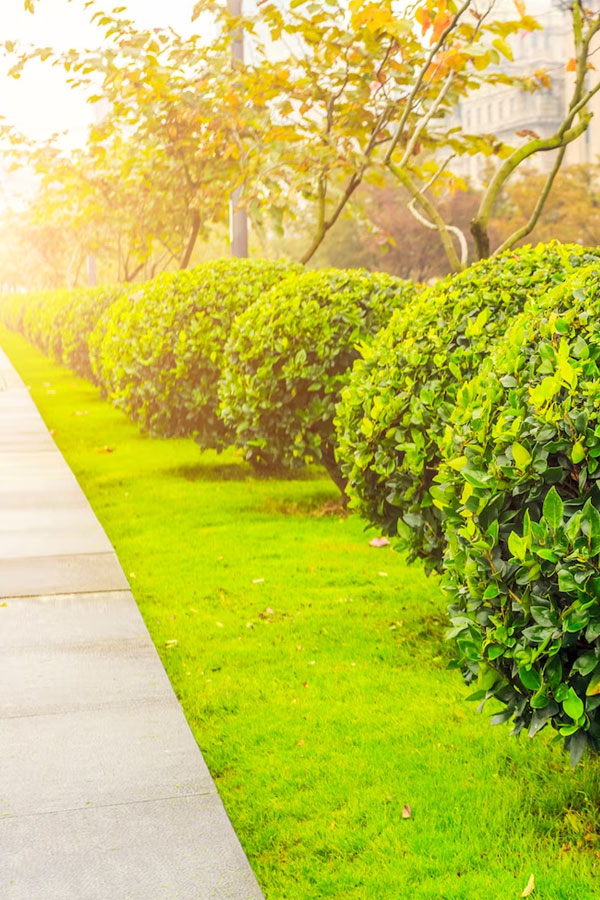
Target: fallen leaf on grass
{"type": "Point", "coordinates": [406, 811]}
{"type": "Point", "coordinates": [383, 574]}
{"type": "Point", "coordinates": [257, 580]}
{"type": "Point", "coordinates": [379, 542]}
{"type": "Point", "coordinates": [172, 643]}
{"type": "Point", "coordinates": [105, 449]}
{"type": "Point", "coordinates": [300, 743]}
{"type": "Point", "coordinates": [530, 887]}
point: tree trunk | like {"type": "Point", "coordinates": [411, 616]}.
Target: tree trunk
{"type": "Point", "coordinates": [192, 241]}
{"type": "Point", "coordinates": [333, 470]}
{"type": "Point", "coordinates": [481, 238]}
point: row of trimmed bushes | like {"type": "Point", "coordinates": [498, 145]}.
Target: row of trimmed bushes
{"type": "Point", "coordinates": [251, 352]}
{"type": "Point", "coordinates": [468, 427]}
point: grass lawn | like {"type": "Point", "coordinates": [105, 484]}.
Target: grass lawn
{"type": "Point", "coordinates": [312, 670]}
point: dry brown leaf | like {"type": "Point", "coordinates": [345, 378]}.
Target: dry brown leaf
{"type": "Point", "coordinates": [530, 887]}
{"type": "Point", "coordinates": [406, 811]}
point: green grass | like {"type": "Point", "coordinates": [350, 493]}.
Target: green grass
{"type": "Point", "coordinates": [317, 686]}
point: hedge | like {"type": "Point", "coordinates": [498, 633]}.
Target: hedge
{"type": "Point", "coordinates": [60, 322]}
{"type": "Point", "coordinates": [519, 492]}
{"type": "Point", "coordinates": [289, 356]}
{"type": "Point", "coordinates": [158, 353]}
{"type": "Point", "coordinates": [401, 395]}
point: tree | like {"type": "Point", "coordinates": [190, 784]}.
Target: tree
{"type": "Point", "coordinates": [571, 213]}
{"type": "Point", "coordinates": [333, 95]}
{"type": "Point", "coordinates": [384, 236]}
{"type": "Point", "coordinates": [370, 88]}
{"type": "Point", "coordinates": [156, 171]}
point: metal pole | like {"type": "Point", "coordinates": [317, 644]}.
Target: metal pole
{"type": "Point", "coordinates": [91, 265]}
{"type": "Point", "coordinates": [238, 220]}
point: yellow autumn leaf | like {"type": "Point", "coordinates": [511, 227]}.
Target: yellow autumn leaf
{"type": "Point", "coordinates": [529, 889]}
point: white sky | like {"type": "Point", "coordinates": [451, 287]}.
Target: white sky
{"type": "Point", "coordinates": [41, 103]}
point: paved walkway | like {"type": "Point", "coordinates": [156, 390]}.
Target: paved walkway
{"type": "Point", "coordinates": [104, 794]}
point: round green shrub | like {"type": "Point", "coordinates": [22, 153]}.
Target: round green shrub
{"type": "Point", "coordinates": [60, 322]}
{"type": "Point", "coordinates": [290, 355]}
{"type": "Point", "coordinates": [519, 493]}
{"type": "Point", "coordinates": [400, 397]}
{"type": "Point", "coordinates": [12, 309]}
{"type": "Point", "coordinates": [39, 317]}
{"type": "Point", "coordinates": [157, 353]}
{"type": "Point", "coordinates": [76, 320]}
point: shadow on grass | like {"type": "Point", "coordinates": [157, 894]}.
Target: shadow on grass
{"type": "Point", "coordinates": [203, 471]}
{"type": "Point", "coordinates": [317, 505]}
{"type": "Point", "coordinates": [243, 471]}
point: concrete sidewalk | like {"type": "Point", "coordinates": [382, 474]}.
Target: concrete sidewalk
{"type": "Point", "coordinates": [104, 794]}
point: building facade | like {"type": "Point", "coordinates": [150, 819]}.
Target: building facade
{"type": "Point", "coordinates": [504, 111]}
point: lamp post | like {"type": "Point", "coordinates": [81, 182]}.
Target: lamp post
{"type": "Point", "coordinates": [238, 220]}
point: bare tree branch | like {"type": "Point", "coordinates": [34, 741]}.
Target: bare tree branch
{"type": "Point", "coordinates": [533, 219]}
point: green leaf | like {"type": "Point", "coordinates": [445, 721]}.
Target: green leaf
{"type": "Point", "coordinates": [585, 663]}
{"type": "Point", "coordinates": [566, 582]}
{"type": "Point", "coordinates": [577, 620]}
{"type": "Point", "coordinates": [458, 462]}
{"type": "Point", "coordinates": [530, 678]}
{"type": "Point", "coordinates": [476, 477]}
{"type": "Point", "coordinates": [590, 525]}
{"type": "Point", "coordinates": [577, 745]}
{"type": "Point", "coordinates": [553, 509]}
{"type": "Point", "coordinates": [521, 455]}
{"type": "Point", "coordinates": [553, 671]}
{"type": "Point", "coordinates": [573, 705]}
{"type": "Point", "coordinates": [578, 452]}
{"type": "Point", "coordinates": [517, 545]}
{"type": "Point", "coordinates": [593, 687]}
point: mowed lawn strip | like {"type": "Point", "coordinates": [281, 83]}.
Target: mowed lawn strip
{"type": "Point", "coordinates": [313, 672]}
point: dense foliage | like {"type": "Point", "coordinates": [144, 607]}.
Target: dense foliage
{"type": "Point", "coordinates": [60, 322]}
{"type": "Point", "coordinates": [519, 490]}
{"type": "Point", "coordinates": [290, 355]}
{"type": "Point", "coordinates": [401, 395]}
{"type": "Point", "coordinates": [157, 354]}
